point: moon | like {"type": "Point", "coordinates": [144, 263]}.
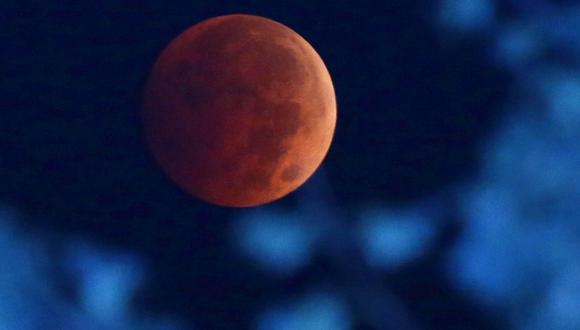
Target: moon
{"type": "Point", "coordinates": [239, 110]}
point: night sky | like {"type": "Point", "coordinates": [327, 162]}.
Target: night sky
{"type": "Point", "coordinates": [412, 111]}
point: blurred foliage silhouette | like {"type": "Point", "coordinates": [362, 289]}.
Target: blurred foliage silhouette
{"type": "Point", "coordinates": [519, 251]}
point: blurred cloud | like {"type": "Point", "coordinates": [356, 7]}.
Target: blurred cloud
{"type": "Point", "coordinates": [279, 242]}
{"type": "Point", "coordinates": [106, 281]}
{"type": "Point", "coordinates": [519, 251]}
{"type": "Point", "coordinates": [466, 15]}
{"type": "Point", "coordinates": [517, 46]}
{"type": "Point", "coordinates": [390, 238]}
{"type": "Point", "coordinates": [22, 289]}
{"type": "Point", "coordinates": [562, 27]}
{"type": "Point", "coordinates": [315, 311]}
{"type": "Point", "coordinates": [560, 89]}
{"type": "Point", "coordinates": [559, 310]}
{"type": "Point", "coordinates": [491, 213]}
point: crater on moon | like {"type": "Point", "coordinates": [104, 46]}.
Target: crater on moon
{"type": "Point", "coordinates": [290, 173]}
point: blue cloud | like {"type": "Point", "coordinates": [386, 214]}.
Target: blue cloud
{"type": "Point", "coordinates": [276, 241]}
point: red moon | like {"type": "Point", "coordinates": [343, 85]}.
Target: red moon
{"type": "Point", "coordinates": [239, 110]}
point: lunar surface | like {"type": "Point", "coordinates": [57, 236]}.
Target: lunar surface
{"type": "Point", "coordinates": [239, 110]}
